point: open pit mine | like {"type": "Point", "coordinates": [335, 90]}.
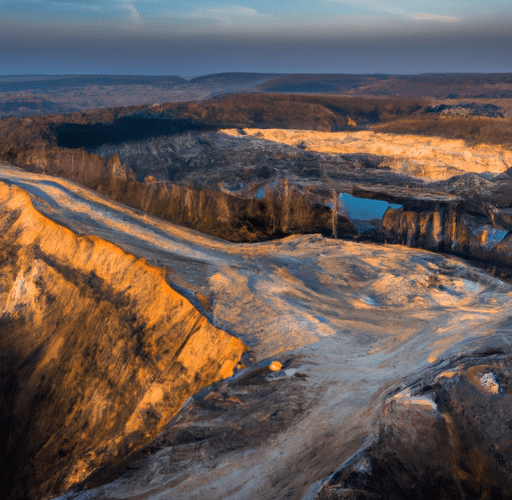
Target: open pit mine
{"type": "Point", "coordinates": [193, 309]}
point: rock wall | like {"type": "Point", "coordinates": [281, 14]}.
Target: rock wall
{"type": "Point", "coordinates": [449, 228]}
{"type": "Point", "coordinates": [282, 210]}
{"type": "Point", "coordinates": [97, 352]}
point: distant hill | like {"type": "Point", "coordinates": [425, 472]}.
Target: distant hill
{"type": "Point", "coordinates": [441, 86]}
{"type": "Point", "coordinates": [231, 78]}
{"type": "Point", "coordinates": [29, 95]}
{"type": "Point", "coordinates": [12, 84]}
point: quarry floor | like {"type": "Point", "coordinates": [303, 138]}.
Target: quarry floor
{"type": "Point", "coordinates": [352, 323]}
{"type": "Point", "coordinates": [427, 157]}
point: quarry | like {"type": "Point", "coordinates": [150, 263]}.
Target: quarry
{"type": "Point", "coordinates": [238, 300]}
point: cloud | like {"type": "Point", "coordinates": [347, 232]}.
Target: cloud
{"type": "Point", "coordinates": [134, 13]}
{"type": "Point", "coordinates": [234, 14]}
{"type": "Point", "coordinates": [381, 6]}
{"type": "Point", "coordinates": [105, 6]}
{"type": "Point", "coordinates": [70, 5]}
{"type": "Point", "coordinates": [234, 20]}
{"type": "Point", "coordinates": [425, 16]}
{"type": "Point", "coordinates": [105, 9]}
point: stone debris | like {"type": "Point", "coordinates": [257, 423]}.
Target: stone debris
{"type": "Point", "coordinates": [490, 383]}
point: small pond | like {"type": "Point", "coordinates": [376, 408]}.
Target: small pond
{"type": "Point", "coordinates": [363, 211]}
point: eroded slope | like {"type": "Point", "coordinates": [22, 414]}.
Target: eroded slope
{"type": "Point", "coordinates": [98, 352]}
{"type": "Point", "coordinates": [445, 436]}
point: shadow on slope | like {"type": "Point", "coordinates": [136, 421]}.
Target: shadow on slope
{"type": "Point", "coordinates": [135, 127]}
{"type": "Point", "coordinates": [448, 438]}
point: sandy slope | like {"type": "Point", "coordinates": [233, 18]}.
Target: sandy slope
{"type": "Point", "coordinates": [432, 158]}
{"type": "Point", "coordinates": [356, 320]}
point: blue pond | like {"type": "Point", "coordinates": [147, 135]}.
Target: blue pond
{"type": "Point", "coordinates": [494, 236]}
{"type": "Point", "coordinates": [364, 208]}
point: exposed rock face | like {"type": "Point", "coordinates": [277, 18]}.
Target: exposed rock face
{"type": "Point", "coordinates": [258, 184]}
{"type": "Point", "coordinates": [464, 110]}
{"type": "Point", "coordinates": [270, 189]}
{"type": "Point", "coordinates": [451, 214]}
{"type": "Point", "coordinates": [97, 351]}
{"type": "Point", "coordinates": [167, 161]}
{"type": "Point", "coordinates": [449, 229]}
{"type": "Point", "coordinates": [179, 179]}
{"type": "Point", "coordinates": [429, 158]}
{"type": "Point", "coordinates": [449, 437]}
{"type": "Point", "coordinates": [284, 210]}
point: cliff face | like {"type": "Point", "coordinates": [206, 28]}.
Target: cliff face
{"type": "Point", "coordinates": [430, 158]}
{"type": "Point", "coordinates": [268, 189]}
{"type": "Point", "coordinates": [441, 211]}
{"type": "Point", "coordinates": [448, 228]}
{"type": "Point", "coordinates": [255, 184]}
{"type": "Point", "coordinates": [97, 351]}
{"type": "Point", "coordinates": [282, 211]}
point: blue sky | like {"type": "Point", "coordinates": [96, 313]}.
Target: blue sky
{"type": "Point", "coordinates": [205, 36]}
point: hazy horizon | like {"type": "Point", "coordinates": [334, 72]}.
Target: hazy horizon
{"type": "Point", "coordinates": [165, 37]}
{"type": "Point", "coordinates": [263, 73]}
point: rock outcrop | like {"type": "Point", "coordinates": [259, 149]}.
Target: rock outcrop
{"type": "Point", "coordinates": [447, 437]}
{"type": "Point", "coordinates": [178, 182]}
{"type": "Point", "coordinates": [267, 189]}
{"type": "Point", "coordinates": [98, 352]}
{"type": "Point", "coordinates": [464, 110]}
{"type": "Point", "coordinates": [448, 228]}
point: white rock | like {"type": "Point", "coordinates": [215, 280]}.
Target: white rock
{"type": "Point", "coordinates": [489, 383]}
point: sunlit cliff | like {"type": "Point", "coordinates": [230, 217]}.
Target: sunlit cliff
{"type": "Point", "coordinates": [98, 351]}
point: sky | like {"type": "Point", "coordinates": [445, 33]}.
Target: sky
{"type": "Point", "coordinates": [198, 37]}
